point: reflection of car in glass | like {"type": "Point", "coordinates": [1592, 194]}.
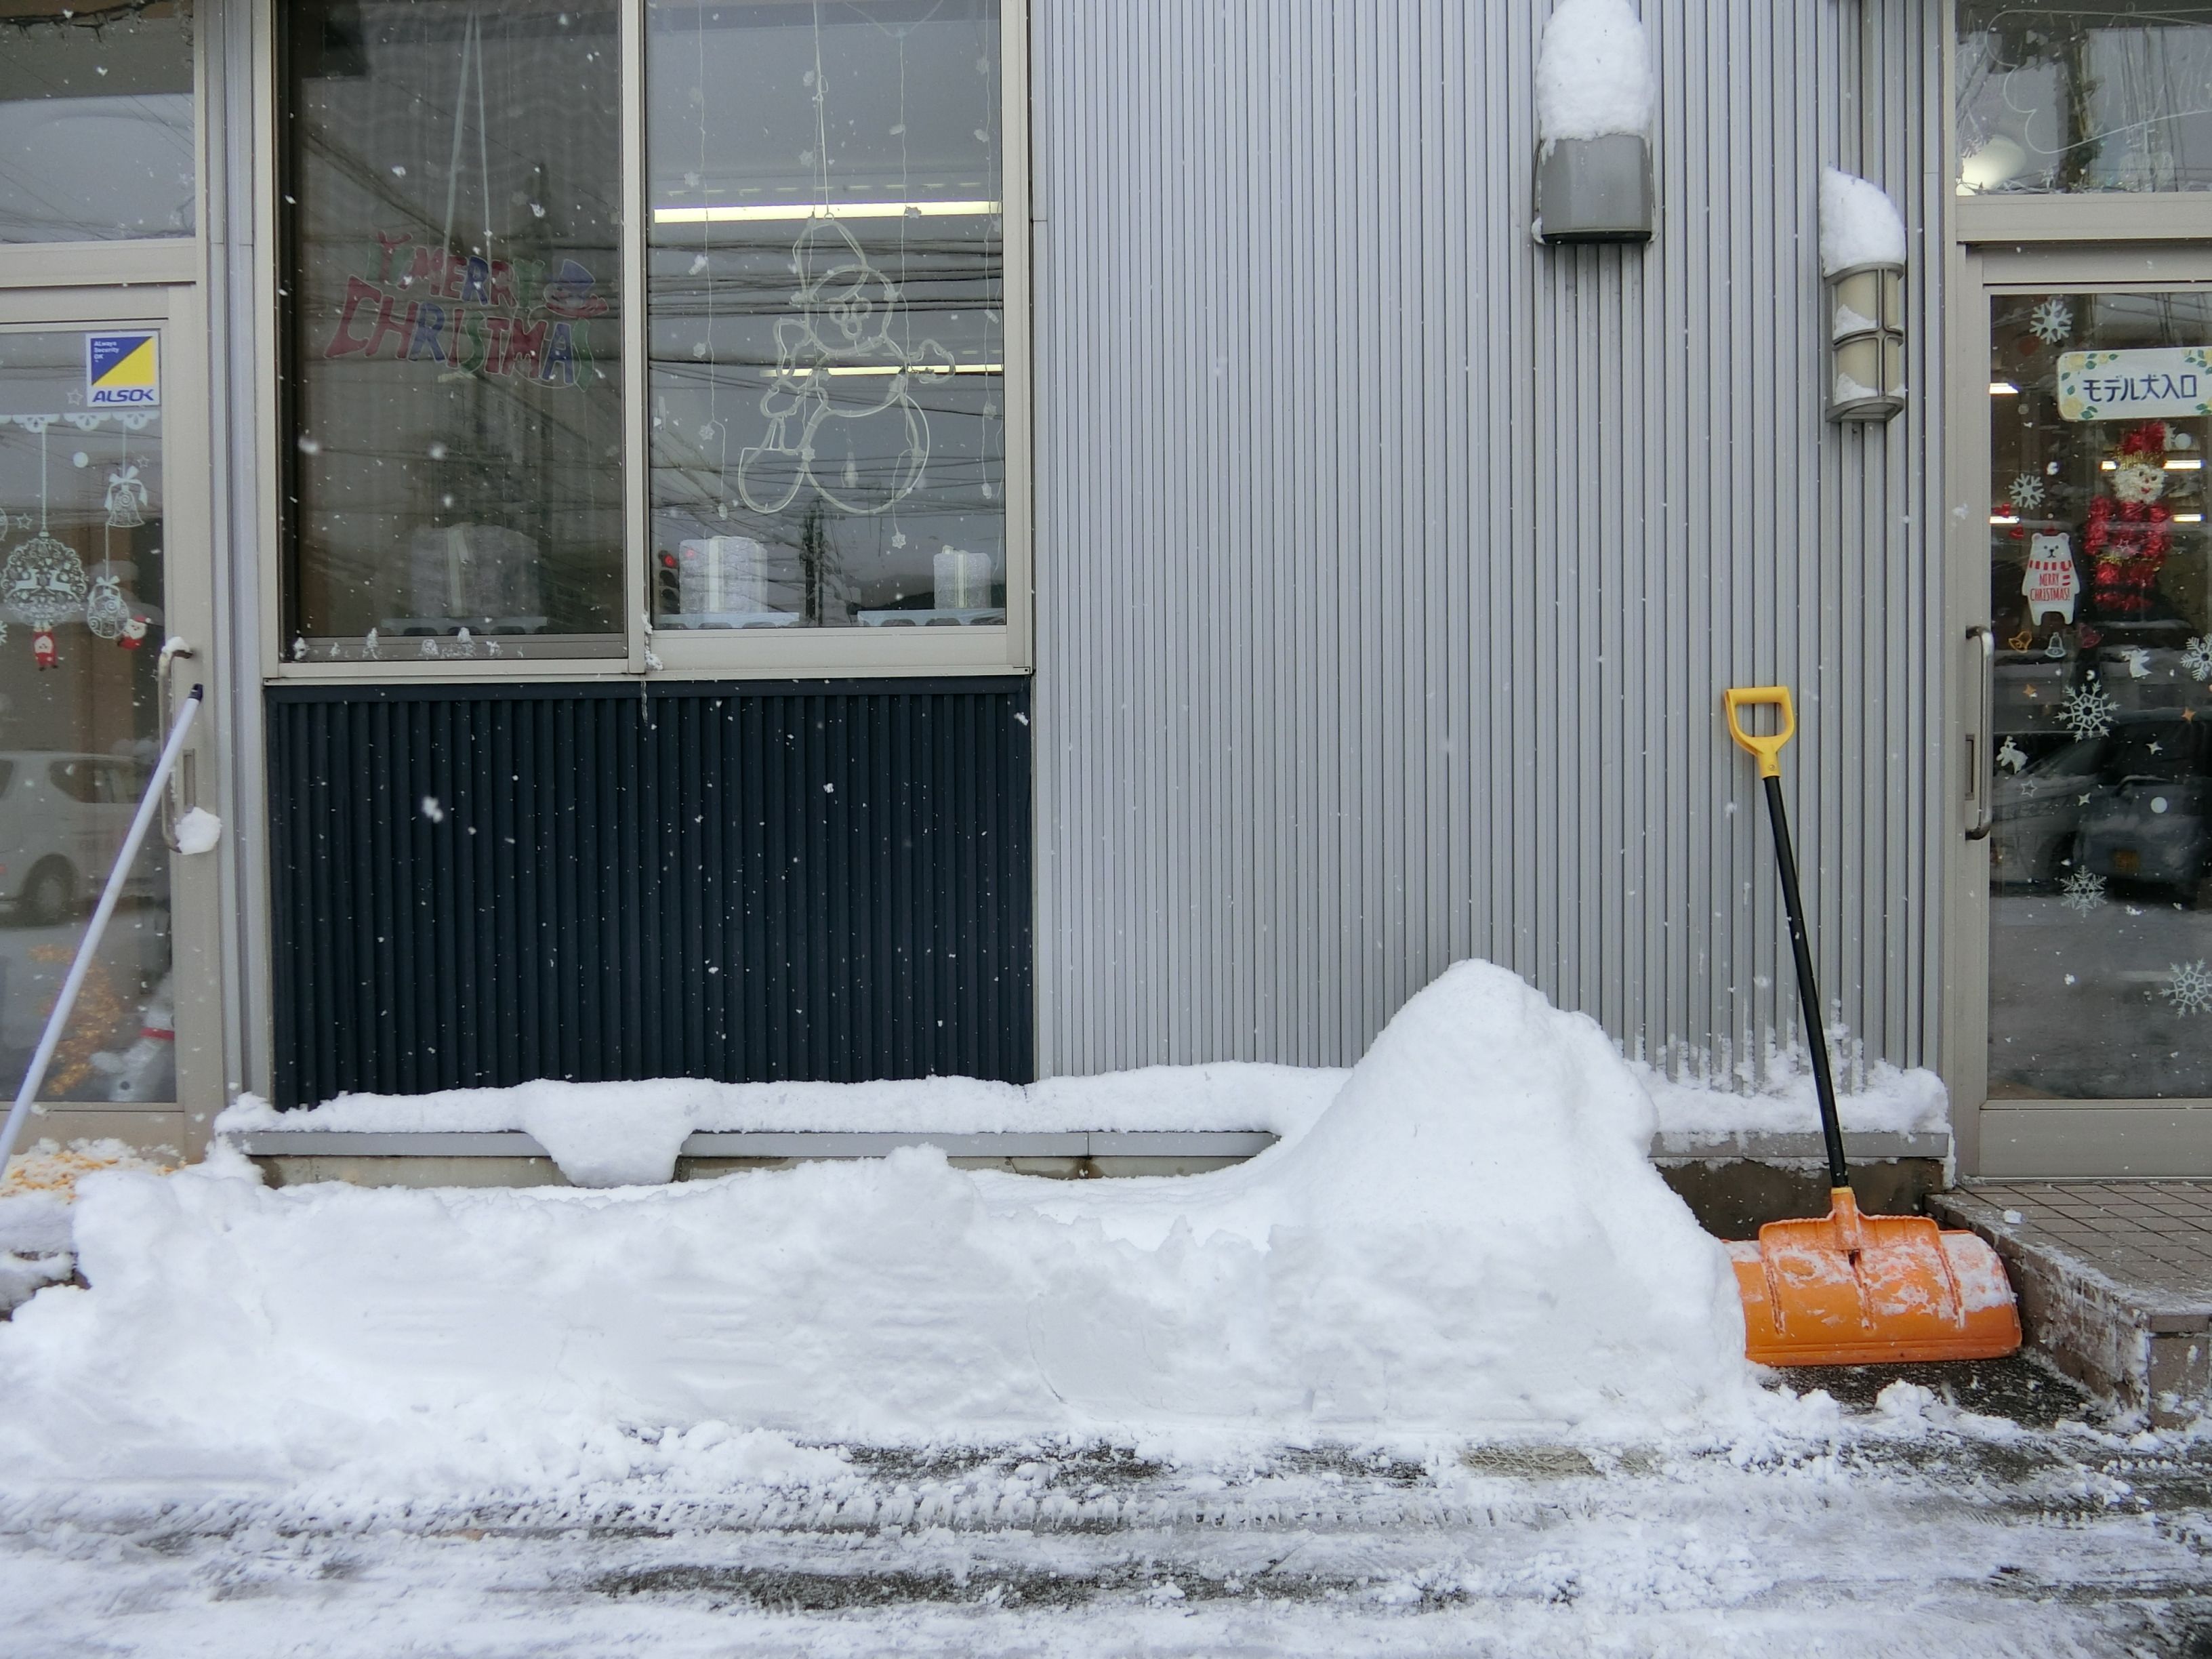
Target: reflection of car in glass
{"type": "Point", "coordinates": [63, 819]}
{"type": "Point", "coordinates": [2037, 811]}
{"type": "Point", "coordinates": [2150, 821]}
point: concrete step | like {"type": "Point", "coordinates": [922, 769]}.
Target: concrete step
{"type": "Point", "coordinates": [2115, 1281]}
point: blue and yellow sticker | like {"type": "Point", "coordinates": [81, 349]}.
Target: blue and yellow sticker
{"type": "Point", "coordinates": [123, 370]}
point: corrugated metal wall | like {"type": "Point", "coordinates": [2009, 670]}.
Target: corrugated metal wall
{"type": "Point", "coordinates": [476, 885]}
{"type": "Point", "coordinates": [1390, 567]}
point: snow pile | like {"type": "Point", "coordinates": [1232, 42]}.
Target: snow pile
{"type": "Point", "coordinates": [1594, 72]}
{"type": "Point", "coordinates": [607, 1135]}
{"type": "Point", "coordinates": [1470, 1239]}
{"type": "Point", "coordinates": [1859, 224]}
{"type": "Point", "coordinates": [1888, 1100]}
{"type": "Point", "coordinates": [35, 1247]}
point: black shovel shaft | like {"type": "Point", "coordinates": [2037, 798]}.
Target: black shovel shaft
{"type": "Point", "coordinates": [1808, 993]}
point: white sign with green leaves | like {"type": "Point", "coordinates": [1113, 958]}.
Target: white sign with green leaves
{"type": "Point", "coordinates": [2127, 385]}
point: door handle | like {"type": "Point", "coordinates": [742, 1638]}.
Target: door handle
{"type": "Point", "coordinates": [174, 790]}
{"type": "Point", "coordinates": [1981, 771]}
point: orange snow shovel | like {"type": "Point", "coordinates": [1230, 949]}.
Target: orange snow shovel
{"type": "Point", "coordinates": [1850, 1289]}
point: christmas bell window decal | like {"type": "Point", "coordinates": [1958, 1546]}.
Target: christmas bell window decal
{"type": "Point", "coordinates": [43, 583]}
{"type": "Point", "coordinates": [126, 497]}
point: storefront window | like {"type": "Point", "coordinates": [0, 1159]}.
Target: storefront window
{"type": "Point", "coordinates": [2100, 430]}
{"type": "Point", "coordinates": [826, 314]}
{"type": "Point", "coordinates": [82, 510]}
{"type": "Point", "coordinates": [455, 329]}
{"type": "Point", "coordinates": [95, 121]}
{"type": "Point", "coordinates": [2079, 95]}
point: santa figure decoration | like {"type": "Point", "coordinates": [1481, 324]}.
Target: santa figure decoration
{"type": "Point", "coordinates": [2129, 533]}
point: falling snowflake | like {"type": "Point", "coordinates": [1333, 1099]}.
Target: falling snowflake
{"type": "Point", "coordinates": [2087, 712]}
{"type": "Point", "coordinates": [2027, 493]}
{"type": "Point", "coordinates": [2084, 891]}
{"type": "Point", "coordinates": [2051, 321]}
{"type": "Point", "coordinates": [2196, 657]}
{"type": "Point", "coordinates": [2190, 989]}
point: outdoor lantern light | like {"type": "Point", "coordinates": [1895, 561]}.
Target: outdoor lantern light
{"type": "Point", "coordinates": [1594, 190]}
{"type": "Point", "coordinates": [1595, 99]}
{"type": "Point", "coordinates": [1866, 337]}
{"type": "Point", "coordinates": [1862, 248]}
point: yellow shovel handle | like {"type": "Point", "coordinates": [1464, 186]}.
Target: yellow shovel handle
{"type": "Point", "coordinates": [1768, 749]}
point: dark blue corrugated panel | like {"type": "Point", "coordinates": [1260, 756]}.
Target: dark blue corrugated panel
{"type": "Point", "coordinates": [476, 886]}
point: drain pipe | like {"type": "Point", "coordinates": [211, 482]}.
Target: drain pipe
{"type": "Point", "coordinates": [56, 1021]}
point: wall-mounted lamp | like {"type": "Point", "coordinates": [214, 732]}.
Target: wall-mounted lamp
{"type": "Point", "coordinates": [1595, 96]}
{"type": "Point", "coordinates": [1862, 262]}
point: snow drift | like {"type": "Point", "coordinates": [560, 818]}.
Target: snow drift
{"type": "Point", "coordinates": [1468, 1240]}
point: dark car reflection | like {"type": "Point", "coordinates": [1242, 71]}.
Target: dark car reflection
{"type": "Point", "coordinates": [2133, 807]}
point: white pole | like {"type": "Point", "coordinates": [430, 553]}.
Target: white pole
{"type": "Point", "coordinates": [67, 1001]}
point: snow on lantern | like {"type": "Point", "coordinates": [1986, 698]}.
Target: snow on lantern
{"type": "Point", "coordinates": [1862, 259]}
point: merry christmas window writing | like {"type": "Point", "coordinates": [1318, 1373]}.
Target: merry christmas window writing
{"type": "Point", "coordinates": [826, 314]}
{"type": "Point", "coordinates": [2100, 428]}
{"type": "Point", "coordinates": [2084, 95]}
{"type": "Point", "coordinates": [452, 207]}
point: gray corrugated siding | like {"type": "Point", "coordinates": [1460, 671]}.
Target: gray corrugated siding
{"type": "Point", "coordinates": [1390, 568]}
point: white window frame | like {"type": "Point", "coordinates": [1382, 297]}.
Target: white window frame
{"type": "Point", "coordinates": [738, 655]}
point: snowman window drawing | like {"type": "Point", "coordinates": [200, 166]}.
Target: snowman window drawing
{"type": "Point", "coordinates": [840, 410]}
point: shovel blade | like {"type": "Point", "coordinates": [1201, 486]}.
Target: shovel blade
{"type": "Point", "coordinates": [1854, 1289]}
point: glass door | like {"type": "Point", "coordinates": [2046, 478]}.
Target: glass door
{"type": "Point", "coordinates": [2097, 764]}
{"type": "Point", "coordinates": [102, 561]}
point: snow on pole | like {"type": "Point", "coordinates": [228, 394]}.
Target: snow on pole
{"type": "Point", "coordinates": [1594, 73]}
{"type": "Point", "coordinates": [64, 1005]}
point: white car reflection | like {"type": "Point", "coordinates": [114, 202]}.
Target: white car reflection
{"type": "Point", "coordinates": [62, 820]}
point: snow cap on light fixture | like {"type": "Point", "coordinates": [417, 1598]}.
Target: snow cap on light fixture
{"type": "Point", "coordinates": [1863, 260]}
{"type": "Point", "coordinates": [1595, 94]}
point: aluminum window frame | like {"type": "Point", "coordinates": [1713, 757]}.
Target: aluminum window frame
{"type": "Point", "coordinates": [1989, 246]}
{"type": "Point", "coordinates": [742, 654]}
{"type": "Point", "coordinates": [168, 261]}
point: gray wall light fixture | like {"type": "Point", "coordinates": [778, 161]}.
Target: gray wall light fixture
{"type": "Point", "coordinates": [1863, 248]}
{"type": "Point", "coordinates": [1594, 100]}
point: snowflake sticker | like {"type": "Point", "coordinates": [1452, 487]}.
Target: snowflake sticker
{"type": "Point", "coordinates": [2196, 657]}
{"type": "Point", "coordinates": [2189, 988]}
{"type": "Point", "coordinates": [2027, 493]}
{"type": "Point", "coordinates": [2083, 890]}
{"type": "Point", "coordinates": [2051, 321]}
{"type": "Point", "coordinates": [2087, 712]}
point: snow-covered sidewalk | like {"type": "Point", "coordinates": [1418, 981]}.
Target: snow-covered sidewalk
{"type": "Point", "coordinates": [1449, 1369]}
{"type": "Point", "coordinates": [1905, 1527]}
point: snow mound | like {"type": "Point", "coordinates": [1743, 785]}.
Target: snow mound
{"type": "Point", "coordinates": [35, 1196]}
{"type": "Point", "coordinates": [1859, 224]}
{"type": "Point", "coordinates": [1594, 72]}
{"type": "Point", "coordinates": [1469, 1240]}
{"type": "Point", "coordinates": [612, 1134]}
